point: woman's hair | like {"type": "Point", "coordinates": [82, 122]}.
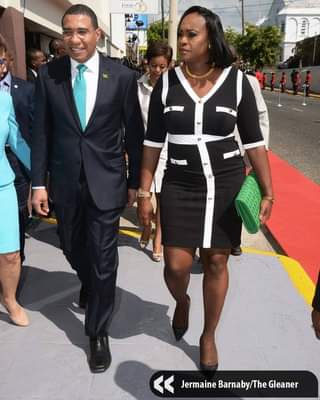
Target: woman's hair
{"type": "Point", "coordinates": [219, 51]}
{"type": "Point", "coordinates": [159, 48]}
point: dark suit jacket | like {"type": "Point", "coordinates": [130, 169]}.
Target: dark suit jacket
{"type": "Point", "coordinates": [30, 76]}
{"type": "Point", "coordinates": [60, 146]}
{"type": "Point", "coordinates": [316, 299]}
{"type": "Point", "coordinates": [22, 93]}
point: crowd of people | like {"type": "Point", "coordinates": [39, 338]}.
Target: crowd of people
{"type": "Point", "coordinates": [104, 139]}
{"type": "Point", "coordinates": [282, 83]}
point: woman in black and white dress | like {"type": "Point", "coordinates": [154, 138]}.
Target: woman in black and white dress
{"type": "Point", "coordinates": [197, 107]}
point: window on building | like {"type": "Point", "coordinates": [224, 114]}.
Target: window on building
{"type": "Point", "coordinates": [314, 28]}
{"type": "Point", "coordinates": [282, 27]}
{"type": "Point", "coordinates": [304, 25]}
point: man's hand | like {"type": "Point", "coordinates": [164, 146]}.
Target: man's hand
{"type": "Point", "coordinates": [132, 197]}
{"type": "Point", "coordinates": [40, 201]}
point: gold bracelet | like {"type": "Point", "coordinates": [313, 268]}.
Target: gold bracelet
{"type": "Point", "coordinates": [270, 198]}
{"type": "Point", "coordinates": [143, 194]}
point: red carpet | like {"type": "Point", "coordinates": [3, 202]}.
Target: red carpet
{"type": "Point", "coordinates": [295, 221]}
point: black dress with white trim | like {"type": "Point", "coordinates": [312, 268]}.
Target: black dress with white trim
{"type": "Point", "coordinates": [204, 170]}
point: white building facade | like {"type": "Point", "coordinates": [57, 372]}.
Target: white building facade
{"type": "Point", "coordinates": [297, 20]}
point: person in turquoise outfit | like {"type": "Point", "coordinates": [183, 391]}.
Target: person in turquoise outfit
{"type": "Point", "coordinates": [10, 263]}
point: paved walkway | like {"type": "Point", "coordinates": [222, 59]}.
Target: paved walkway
{"type": "Point", "coordinates": [265, 325]}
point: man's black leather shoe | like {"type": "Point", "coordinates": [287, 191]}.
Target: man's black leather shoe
{"type": "Point", "coordinates": [100, 356]}
{"type": "Point", "coordinates": [83, 297]}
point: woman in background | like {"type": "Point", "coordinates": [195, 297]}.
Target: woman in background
{"type": "Point", "coordinates": [158, 56]}
{"type": "Point", "coordinates": [10, 263]}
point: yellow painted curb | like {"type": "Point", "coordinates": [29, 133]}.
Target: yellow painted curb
{"type": "Point", "coordinates": [298, 276]}
{"type": "Point", "coordinates": [135, 233]}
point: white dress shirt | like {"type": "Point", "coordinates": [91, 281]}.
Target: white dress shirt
{"type": "Point", "coordinates": [144, 95]}
{"type": "Point", "coordinates": [5, 83]}
{"type": "Point", "coordinates": [91, 76]}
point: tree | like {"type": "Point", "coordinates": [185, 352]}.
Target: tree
{"type": "Point", "coordinates": [260, 45]}
{"type": "Point", "coordinates": [232, 36]}
{"type": "Point", "coordinates": [154, 31]}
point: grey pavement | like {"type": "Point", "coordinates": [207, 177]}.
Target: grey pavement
{"type": "Point", "coordinates": [265, 325]}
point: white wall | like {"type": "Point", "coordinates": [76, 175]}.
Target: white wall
{"type": "Point", "coordinates": [300, 23]}
{"type": "Point", "coordinates": [296, 31]}
{"type": "Point", "coordinates": [101, 8]}
{"type": "Point", "coordinates": [45, 13]}
{"type": "Point", "coordinates": [288, 50]}
{"type": "Point", "coordinates": [118, 35]}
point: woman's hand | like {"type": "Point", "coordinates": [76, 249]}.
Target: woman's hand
{"type": "Point", "coordinates": [265, 210]}
{"type": "Point", "coordinates": [145, 211]}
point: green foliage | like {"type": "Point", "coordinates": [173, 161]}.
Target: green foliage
{"type": "Point", "coordinates": [232, 36]}
{"type": "Point", "coordinates": [260, 45]}
{"type": "Point", "coordinates": [155, 31]}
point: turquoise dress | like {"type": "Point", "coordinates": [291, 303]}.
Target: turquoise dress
{"type": "Point", "coordinates": [9, 134]}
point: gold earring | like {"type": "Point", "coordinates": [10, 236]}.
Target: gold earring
{"type": "Point", "coordinates": [209, 46]}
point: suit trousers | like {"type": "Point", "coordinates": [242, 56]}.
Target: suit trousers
{"type": "Point", "coordinates": [89, 240]}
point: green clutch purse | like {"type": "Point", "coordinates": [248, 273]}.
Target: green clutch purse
{"type": "Point", "coordinates": [248, 203]}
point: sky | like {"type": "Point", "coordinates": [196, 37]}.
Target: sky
{"type": "Point", "coordinates": [228, 10]}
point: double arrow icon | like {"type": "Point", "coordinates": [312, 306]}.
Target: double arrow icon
{"type": "Point", "coordinates": [157, 384]}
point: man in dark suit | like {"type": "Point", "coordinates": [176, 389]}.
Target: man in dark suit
{"type": "Point", "coordinates": [83, 102]}
{"type": "Point", "coordinates": [35, 58]}
{"type": "Point", "coordinates": [22, 93]}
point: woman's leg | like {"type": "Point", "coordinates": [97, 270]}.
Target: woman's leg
{"type": "Point", "coordinates": [215, 286]}
{"type": "Point", "coordinates": [10, 265]}
{"type": "Point", "coordinates": [145, 236]}
{"type": "Point", "coordinates": [178, 263]}
{"type": "Point", "coordinates": [157, 247]}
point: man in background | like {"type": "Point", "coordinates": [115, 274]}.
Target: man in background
{"type": "Point", "coordinates": [35, 58]}
{"type": "Point", "coordinates": [263, 122]}
{"type": "Point", "coordinates": [56, 49]}
{"type": "Point", "coordinates": [307, 83]}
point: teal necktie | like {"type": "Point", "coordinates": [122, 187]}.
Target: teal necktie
{"type": "Point", "coordinates": [80, 94]}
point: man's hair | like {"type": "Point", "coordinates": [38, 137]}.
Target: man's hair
{"type": "Point", "coordinates": [54, 44]}
{"type": "Point", "coordinates": [81, 9]}
{"type": "Point", "coordinates": [31, 53]}
{"type": "Point", "coordinates": [159, 48]}
{"type": "Point", "coordinates": [219, 52]}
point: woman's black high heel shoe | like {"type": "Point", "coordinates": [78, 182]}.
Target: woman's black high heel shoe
{"type": "Point", "coordinates": [208, 367]}
{"type": "Point", "coordinates": [178, 331]}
